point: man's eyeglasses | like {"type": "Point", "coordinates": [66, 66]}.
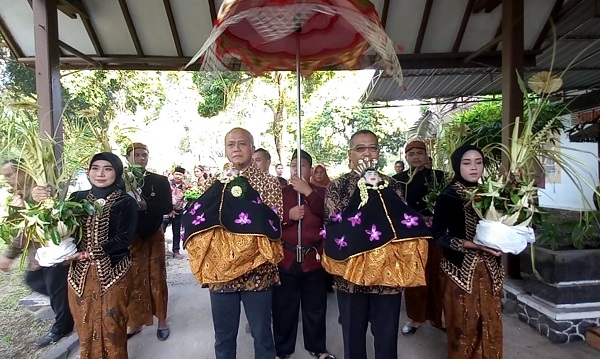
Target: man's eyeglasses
{"type": "Point", "coordinates": [362, 149]}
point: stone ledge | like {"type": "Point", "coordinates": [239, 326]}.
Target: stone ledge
{"type": "Point", "coordinates": [559, 325]}
{"type": "Point", "coordinates": [63, 348]}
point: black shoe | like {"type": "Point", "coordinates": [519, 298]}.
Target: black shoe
{"type": "Point", "coordinates": [48, 339]}
{"type": "Point", "coordinates": [408, 330]}
{"type": "Point", "coordinates": [322, 355]}
{"type": "Point", "coordinates": [163, 334]}
{"type": "Point", "coordinates": [129, 335]}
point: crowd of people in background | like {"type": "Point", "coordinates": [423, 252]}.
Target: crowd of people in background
{"type": "Point", "coordinates": [375, 237]}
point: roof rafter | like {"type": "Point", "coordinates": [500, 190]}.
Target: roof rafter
{"type": "Point", "coordinates": [423, 26]}
{"type": "Point", "coordinates": [213, 10]}
{"type": "Point", "coordinates": [552, 18]}
{"type": "Point", "coordinates": [384, 12]}
{"type": "Point", "coordinates": [72, 8]}
{"type": "Point", "coordinates": [89, 28]}
{"type": "Point", "coordinates": [487, 5]}
{"type": "Point", "coordinates": [10, 40]}
{"type": "Point", "coordinates": [131, 27]}
{"type": "Point", "coordinates": [463, 25]}
{"type": "Point", "coordinates": [173, 26]}
{"type": "Point", "coordinates": [79, 54]}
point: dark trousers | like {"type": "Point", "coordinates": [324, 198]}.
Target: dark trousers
{"type": "Point", "coordinates": [226, 309]}
{"type": "Point", "coordinates": [357, 311]}
{"type": "Point", "coordinates": [52, 281]}
{"type": "Point", "coordinates": [176, 228]}
{"type": "Point", "coordinates": [309, 291]}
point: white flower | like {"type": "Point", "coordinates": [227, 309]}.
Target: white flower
{"type": "Point", "coordinates": [236, 191]}
{"type": "Point", "coordinates": [63, 230]}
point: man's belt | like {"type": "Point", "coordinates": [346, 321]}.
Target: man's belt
{"type": "Point", "coordinates": [305, 249]}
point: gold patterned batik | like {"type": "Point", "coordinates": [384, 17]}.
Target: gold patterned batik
{"type": "Point", "coordinates": [395, 264]}
{"type": "Point", "coordinates": [473, 320]}
{"type": "Point", "coordinates": [227, 261]}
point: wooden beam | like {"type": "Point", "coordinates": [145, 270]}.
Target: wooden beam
{"type": "Point", "coordinates": [512, 96]}
{"type": "Point", "coordinates": [487, 5]}
{"type": "Point", "coordinates": [463, 25]}
{"type": "Point", "coordinates": [72, 8]}
{"type": "Point", "coordinates": [79, 54]}
{"type": "Point", "coordinates": [10, 40]}
{"type": "Point", "coordinates": [173, 26]}
{"type": "Point", "coordinates": [423, 26]}
{"type": "Point", "coordinates": [131, 27]}
{"type": "Point", "coordinates": [45, 20]}
{"type": "Point", "coordinates": [89, 28]}
{"type": "Point", "coordinates": [551, 19]}
{"type": "Point", "coordinates": [385, 12]}
{"type": "Point", "coordinates": [409, 61]}
{"type": "Point", "coordinates": [213, 10]}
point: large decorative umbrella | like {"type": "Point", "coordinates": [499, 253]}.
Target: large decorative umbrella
{"type": "Point", "coordinates": [300, 35]}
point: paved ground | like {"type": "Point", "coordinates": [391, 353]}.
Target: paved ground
{"type": "Point", "coordinates": [192, 332]}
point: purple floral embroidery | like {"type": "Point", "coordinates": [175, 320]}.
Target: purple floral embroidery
{"type": "Point", "coordinates": [355, 219]}
{"type": "Point", "coordinates": [271, 222]}
{"type": "Point", "coordinates": [341, 242]}
{"type": "Point", "coordinates": [336, 217]}
{"type": "Point", "coordinates": [374, 233]}
{"type": "Point", "coordinates": [410, 221]}
{"type": "Point", "coordinates": [275, 208]}
{"type": "Point", "coordinates": [243, 219]}
{"type": "Point", "coordinates": [199, 219]}
{"type": "Point", "coordinates": [323, 232]}
{"type": "Point", "coordinates": [258, 201]}
{"type": "Point", "coordinates": [195, 208]}
{"type": "Point", "coordinates": [182, 234]}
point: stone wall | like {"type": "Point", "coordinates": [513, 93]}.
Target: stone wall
{"type": "Point", "coordinates": [562, 331]}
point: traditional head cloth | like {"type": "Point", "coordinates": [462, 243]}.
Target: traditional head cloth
{"type": "Point", "coordinates": [415, 144]}
{"type": "Point", "coordinates": [456, 157]}
{"type": "Point", "coordinates": [325, 181]}
{"type": "Point", "coordinates": [117, 165]}
{"type": "Point", "coordinates": [179, 169]}
{"type": "Point", "coordinates": [135, 145]}
{"type": "Point", "coordinates": [305, 155]}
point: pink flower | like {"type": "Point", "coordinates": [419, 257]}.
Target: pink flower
{"type": "Point", "coordinates": [355, 219]}
{"type": "Point", "coordinates": [374, 233]}
{"type": "Point", "coordinates": [195, 208]}
{"type": "Point", "coordinates": [199, 219]}
{"type": "Point", "coordinates": [341, 242]}
{"type": "Point", "coordinates": [336, 217]}
{"type": "Point", "coordinates": [410, 221]}
{"type": "Point", "coordinates": [243, 219]}
{"type": "Point", "coordinates": [323, 232]}
{"type": "Point", "coordinates": [271, 222]}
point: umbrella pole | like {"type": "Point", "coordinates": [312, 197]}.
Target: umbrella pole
{"type": "Point", "coordinates": [299, 249]}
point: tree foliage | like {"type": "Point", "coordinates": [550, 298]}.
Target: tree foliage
{"type": "Point", "coordinates": [327, 135]}
{"type": "Point", "coordinates": [217, 89]}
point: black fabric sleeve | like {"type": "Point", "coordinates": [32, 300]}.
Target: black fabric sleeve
{"type": "Point", "coordinates": [161, 203]}
{"type": "Point", "coordinates": [123, 225]}
{"type": "Point", "coordinates": [446, 210]}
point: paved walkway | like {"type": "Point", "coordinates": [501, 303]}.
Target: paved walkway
{"type": "Point", "coordinates": [192, 332]}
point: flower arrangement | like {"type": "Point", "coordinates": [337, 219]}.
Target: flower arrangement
{"type": "Point", "coordinates": [507, 200]}
{"type": "Point", "coordinates": [192, 193]}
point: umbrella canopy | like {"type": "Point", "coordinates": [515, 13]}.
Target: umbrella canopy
{"type": "Point", "coordinates": [268, 35]}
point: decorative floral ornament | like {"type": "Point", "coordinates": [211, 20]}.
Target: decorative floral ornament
{"type": "Point", "coordinates": [373, 233]}
{"type": "Point", "coordinates": [323, 232]}
{"type": "Point", "coordinates": [336, 217]}
{"type": "Point", "coordinates": [243, 219]}
{"type": "Point", "coordinates": [410, 221]}
{"type": "Point", "coordinates": [355, 220]}
{"type": "Point", "coordinates": [236, 191]}
{"type": "Point", "coordinates": [182, 234]}
{"type": "Point", "coordinates": [199, 219]}
{"type": "Point", "coordinates": [272, 224]}
{"type": "Point", "coordinates": [544, 83]}
{"type": "Point", "coordinates": [257, 200]}
{"type": "Point", "coordinates": [101, 202]}
{"type": "Point", "coordinates": [341, 242]}
{"type": "Point", "coordinates": [195, 208]}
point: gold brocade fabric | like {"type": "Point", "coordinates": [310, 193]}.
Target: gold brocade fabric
{"type": "Point", "coordinates": [396, 264]}
{"type": "Point", "coordinates": [218, 256]}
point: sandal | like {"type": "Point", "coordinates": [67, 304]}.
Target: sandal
{"type": "Point", "coordinates": [325, 355]}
